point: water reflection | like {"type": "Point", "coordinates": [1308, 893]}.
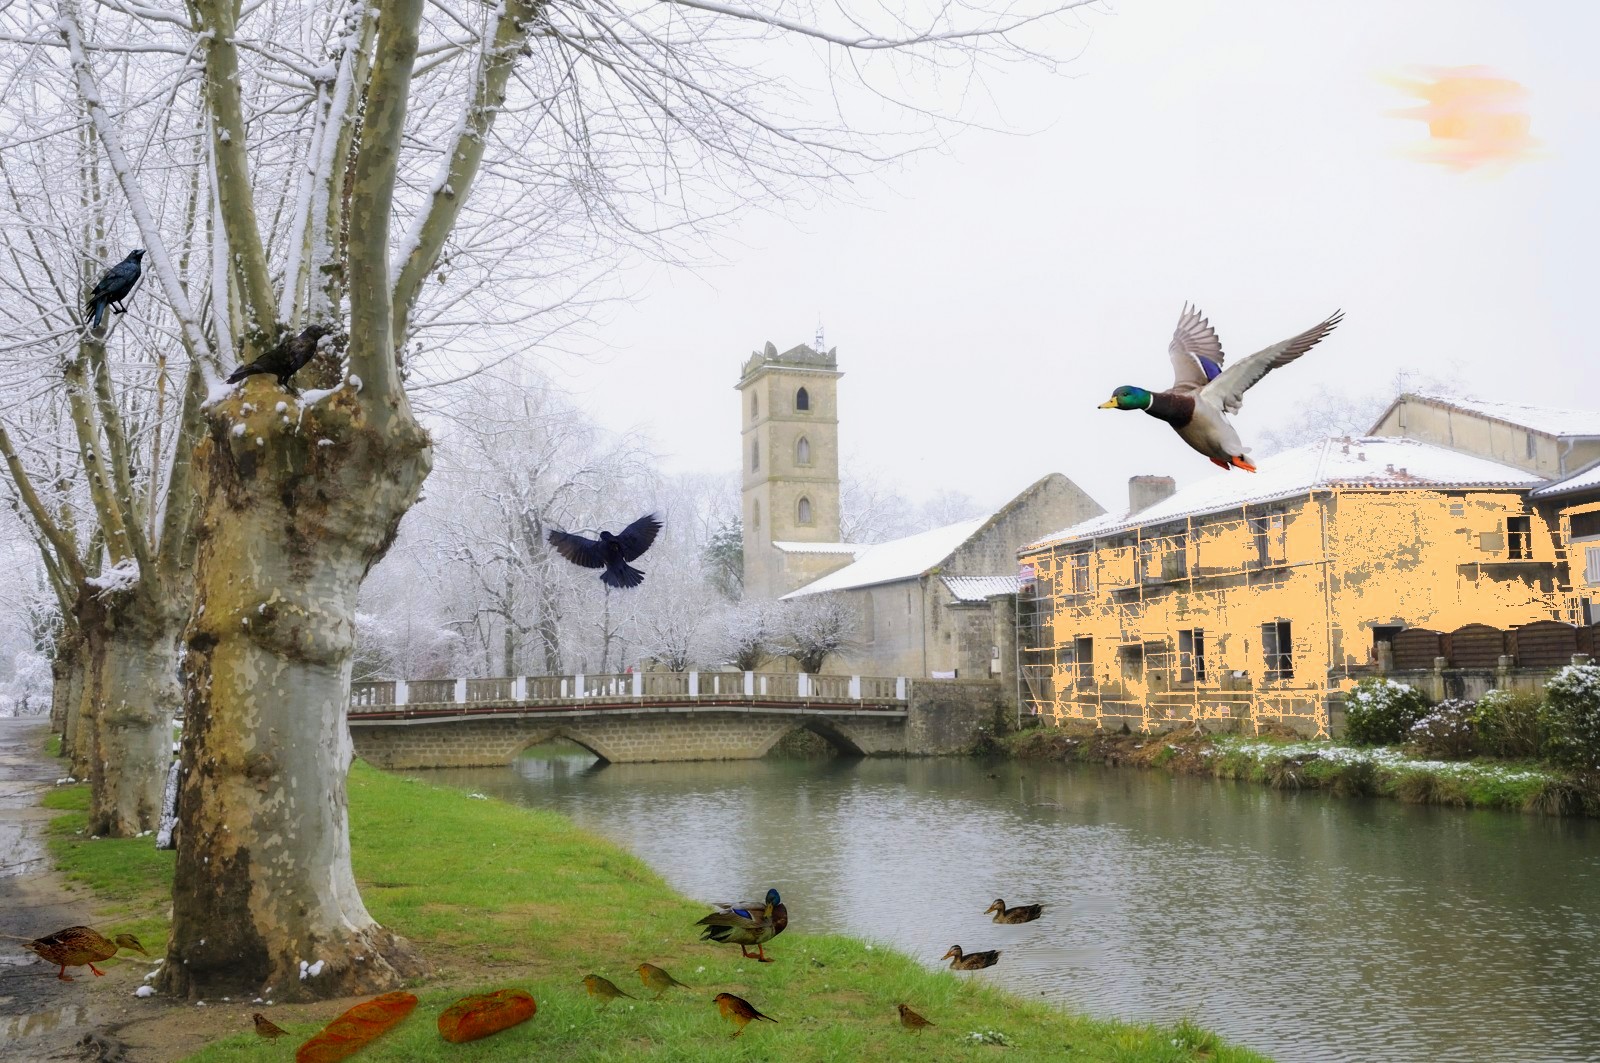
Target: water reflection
{"type": "Point", "coordinates": [1309, 928]}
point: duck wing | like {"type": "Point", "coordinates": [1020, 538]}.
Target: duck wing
{"type": "Point", "coordinates": [1227, 390]}
{"type": "Point", "coordinates": [1196, 351]}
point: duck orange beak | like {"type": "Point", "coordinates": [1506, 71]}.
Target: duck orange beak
{"type": "Point", "coordinates": [1109, 404]}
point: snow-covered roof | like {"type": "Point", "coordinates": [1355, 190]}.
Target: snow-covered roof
{"type": "Point", "coordinates": [979, 588]}
{"type": "Point", "coordinates": [789, 546]}
{"type": "Point", "coordinates": [895, 560]}
{"type": "Point", "coordinates": [1383, 462]}
{"type": "Point", "coordinates": [1582, 480]}
{"type": "Point", "coordinates": [1544, 419]}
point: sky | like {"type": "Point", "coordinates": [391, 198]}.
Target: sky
{"type": "Point", "coordinates": [1244, 155]}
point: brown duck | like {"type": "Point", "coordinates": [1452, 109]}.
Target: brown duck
{"type": "Point", "coordinates": [970, 961]}
{"type": "Point", "coordinates": [1022, 913]}
{"type": "Point", "coordinates": [79, 946]}
{"type": "Point", "coordinates": [910, 1019]}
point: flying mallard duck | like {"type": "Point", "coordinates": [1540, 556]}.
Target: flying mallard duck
{"type": "Point", "coordinates": [1022, 913]}
{"type": "Point", "coordinates": [1203, 391]}
{"type": "Point", "coordinates": [738, 1011]}
{"type": "Point", "coordinates": [910, 1019]}
{"type": "Point", "coordinates": [970, 961]}
{"type": "Point", "coordinates": [658, 979]}
{"type": "Point", "coordinates": [604, 989]}
{"type": "Point", "coordinates": [747, 924]}
{"type": "Point", "coordinates": [79, 946]}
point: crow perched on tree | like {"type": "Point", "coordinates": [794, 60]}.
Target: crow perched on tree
{"type": "Point", "coordinates": [284, 360]}
{"type": "Point", "coordinates": [113, 287]}
{"type": "Point", "coordinates": [611, 552]}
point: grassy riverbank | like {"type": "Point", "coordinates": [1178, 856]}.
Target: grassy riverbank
{"type": "Point", "coordinates": [500, 896]}
{"type": "Point", "coordinates": [1293, 764]}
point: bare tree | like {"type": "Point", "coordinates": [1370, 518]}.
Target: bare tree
{"type": "Point", "coordinates": [816, 627]}
{"type": "Point", "coordinates": [748, 634]}
{"type": "Point", "coordinates": [495, 129]}
{"type": "Point", "coordinates": [1351, 413]}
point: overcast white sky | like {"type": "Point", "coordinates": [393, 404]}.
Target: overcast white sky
{"type": "Point", "coordinates": [1238, 153]}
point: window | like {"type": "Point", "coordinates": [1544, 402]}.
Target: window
{"type": "Point", "coordinates": [1175, 562]}
{"type": "Point", "coordinates": [1192, 656]}
{"type": "Point", "coordinates": [802, 451]}
{"type": "Point", "coordinates": [1078, 569]}
{"type": "Point", "coordinates": [755, 406]}
{"type": "Point", "coordinates": [1268, 532]}
{"type": "Point", "coordinates": [1083, 656]}
{"type": "Point", "coordinates": [755, 514]}
{"type": "Point", "coordinates": [1532, 446]}
{"type": "Point", "coordinates": [802, 510]}
{"type": "Point", "coordinates": [1591, 566]}
{"type": "Point", "coordinates": [755, 455]}
{"type": "Point", "coordinates": [1586, 525]}
{"type": "Point", "coordinates": [1519, 538]}
{"type": "Point", "coordinates": [802, 400]}
{"type": "Point", "coordinates": [1147, 560]}
{"type": "Point", "coordinates": [1277, 646]}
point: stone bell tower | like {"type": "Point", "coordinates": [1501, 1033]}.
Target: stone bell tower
{"type": "Point", "coordinates": [789, 413]}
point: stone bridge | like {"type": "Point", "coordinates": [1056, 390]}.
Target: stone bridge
{"type": "Point", "coordinates": [660, 716]}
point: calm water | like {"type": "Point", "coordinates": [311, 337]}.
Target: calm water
{"type": "Point", "coordinates": [1308, 928]}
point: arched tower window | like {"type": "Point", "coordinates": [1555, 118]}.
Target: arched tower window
{"type": "Point", "coordinates": [755, 405]}
{"type": "Point", "coordinates": [755, 514]}
{"type": "Point", "coordinates": [802, 400]}
{"type": "Point", "coordinates": [802, 451]}
{"type": "Point", "coordinates": [802, 510]}
{"type": "Point", "coordinates": [755, 455]}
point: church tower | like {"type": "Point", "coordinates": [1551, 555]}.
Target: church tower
{"type": "Point", "coordinates": [789, 410]}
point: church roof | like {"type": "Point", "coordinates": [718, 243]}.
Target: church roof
{"type": "Point", "coordinates": [897, 559]}
{"type": "Point", "coordinates": [979, 588]}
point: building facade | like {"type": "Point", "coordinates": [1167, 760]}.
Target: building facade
{"type": "Point", "coordinates": [1245, 600]}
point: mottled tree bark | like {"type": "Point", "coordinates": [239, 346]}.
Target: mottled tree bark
{"type": "Point", "coordinates": [66, 693]}
{"type": "Point", "coordinates": [295, 508]}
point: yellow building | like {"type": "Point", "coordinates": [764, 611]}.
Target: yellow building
{"type": "Point", "coordinates": [1572, 507]}
{"type": "Point", "coordinates": [1252, 598]}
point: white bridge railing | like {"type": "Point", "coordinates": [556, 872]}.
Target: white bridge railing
{"type": "Point", "coordinates": [388, 695]}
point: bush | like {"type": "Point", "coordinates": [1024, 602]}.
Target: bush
{"type": "Point", "coordinates": [1509, 724]}
{"type": "Point", "coordinates": [1446, 731]}
{"type": "Point", "coordinates": [1572, 701]}
{"type": "Point", "coordinates": [1380, 712]}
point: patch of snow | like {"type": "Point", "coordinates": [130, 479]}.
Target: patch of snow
{"type": "Point", "coordinates": [119, 577]}
{"type": "Point", "coordinates": [238, 430]}
{"type": "Point", "coordinates": [144, 991]}
{"type": "Point", "coordinates": [895, 560]}
{"type": "Point", "coordinates": [480, 797]}
{"type": "Point", "coordinates": [311, 970]}
{"type": "Point", "coordinates": [282, 407]}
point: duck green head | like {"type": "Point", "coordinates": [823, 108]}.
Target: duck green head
{"type": "Point", "coordinates": [1127, 398]}
{"type": "Point", "coordinates": [773, 898]}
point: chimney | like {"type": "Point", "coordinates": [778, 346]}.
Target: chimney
{"type": "Point", "coordinates": [1146, 491]}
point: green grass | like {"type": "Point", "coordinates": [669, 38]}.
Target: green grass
{"type": "Point", "coordinates": [500, 896]}
{"type": "Point", "coordinates": [131, 880]}
{"type": "Point", "coordinates": [52, 745]}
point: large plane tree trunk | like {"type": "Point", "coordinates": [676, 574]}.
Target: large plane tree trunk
{"type": "Point", "coordinates": [135, 691]}
{"type": "Point", "coordinates": [295, 508]}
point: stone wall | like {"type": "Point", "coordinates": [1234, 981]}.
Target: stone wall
{"type": "Point", "coordinates": [946, 715]}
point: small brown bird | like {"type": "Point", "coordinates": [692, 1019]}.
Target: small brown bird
{"type": "Point", "coordinates": [655, 978]}
{"type": "Point", "coordinates": [738, 1011]}
{"type": "Point", "coordinates": [971, 961]}
{"type": "Point", "coordinates": [79, 946]}
{"type": "Point", "coordinates": [1022, 913]}
{"type": "Point", "coordinates": [910, 1019]}
{"type": "Point", "coordinates": [267, 1028]}
{"type": "Point", "coordinates": [604, 989]}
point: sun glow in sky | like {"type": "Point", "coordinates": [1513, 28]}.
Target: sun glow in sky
{"type": "Point", "coordinates": [1475, 118]}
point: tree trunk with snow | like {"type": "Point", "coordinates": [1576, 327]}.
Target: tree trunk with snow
{"type": "Point", "coordinates": [294, 510]}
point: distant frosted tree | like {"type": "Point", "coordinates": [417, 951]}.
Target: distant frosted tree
{"type": "Point", "coordinates": [816, 627]}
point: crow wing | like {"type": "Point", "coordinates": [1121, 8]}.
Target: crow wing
{"type": "Point", "coordinates": [637, 537]}
{"type": "Point", "coordinates": [117, 280]}
{"type": "Point", "coordinates": [1196, 351]}
{"type": "Point", "coordinates": [1227, 390]}
{"type": "Point", "coordinates": [578, 550]}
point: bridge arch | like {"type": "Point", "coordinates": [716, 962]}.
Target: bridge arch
{"type": "Point", "coordinates": [829, 731]}
{"type": "Point", "coordinates": [586, 742]}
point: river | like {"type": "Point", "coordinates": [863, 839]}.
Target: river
{"type": "Point", "coordinates": [1307, 927]}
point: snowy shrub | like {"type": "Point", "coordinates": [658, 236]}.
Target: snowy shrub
{"type": "Point", "coordinates": [1380, 712]}
{"type": "Point", "coordinates": [1572, 701]}
{"type": "Point", "coordinates": [1445, 731]}
{"type": "Point", "coordinates": [1509, 724]}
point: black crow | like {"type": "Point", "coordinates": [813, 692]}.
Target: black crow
{"type": "Point", "coordinates": [286, 359]}
{"type": "Point", "coordinates": [611, 552]}
{"type": "Point", "coordinates": [113, 287]}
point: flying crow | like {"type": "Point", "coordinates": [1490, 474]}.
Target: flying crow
{"type": "Point", "coordinates": [113, 287]}
{"type": "Point", "coordinates": [611, 552]}
{"type": "Point", "coordinates": [284, 360]}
